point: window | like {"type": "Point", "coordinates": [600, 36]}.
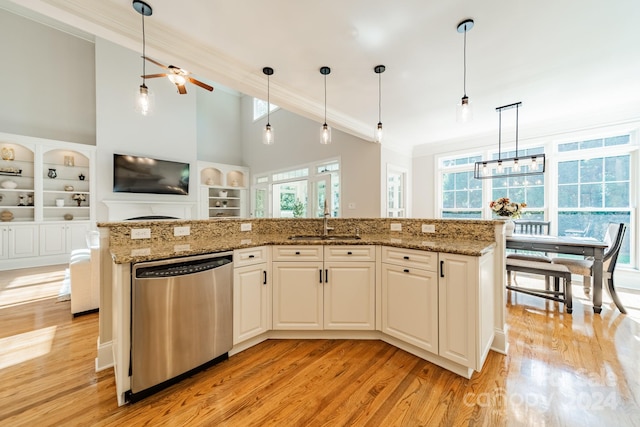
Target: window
{"type": "Point", "coordinates": [260, 108]}
{"type": "Point", "coordinates": [461, 194]}
{"type": "Point", "coordinates": [527, 189]}
{"type": "Point", "coordinates": [594, 189]}
{"type": "Point", "coordinates": [396, 192]}
{"type": "Point", "coordinates": [298, 193]}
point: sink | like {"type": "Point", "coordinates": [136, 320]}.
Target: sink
{"type": "Point", "coordinates": [330, 237]}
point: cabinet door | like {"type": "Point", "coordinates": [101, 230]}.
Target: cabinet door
{"type": "Point", "coordinates": [251, 302]}
{"type": "Point", "coordinates": [76, 236]}
{"type": "Point", "coordinates": [53, 239]}
{"type": "Point", "coordinates": [4, 242]}
{"type": "Point", "coordinates": [410, 305]}
{"type": "Point", "coordinates": [458, 284]}
{"type": "Point", "coordinates": [297, 295]}
{"type": "Point", "coordinates": [349, 295]}
{"type": "Point", "coordinates": [23, 241]}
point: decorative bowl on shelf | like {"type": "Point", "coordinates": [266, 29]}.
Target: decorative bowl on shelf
{"type": "Point", "coordinates": [68, 188]}
{"type": "Point", "coordinates": [68, 217]}
{"type": "Point", "coordinates": [6, 216]}
{"type": "Point", "coordinates": [8, 184]}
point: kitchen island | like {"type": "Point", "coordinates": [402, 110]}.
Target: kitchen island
{"type": "Point", "coordinates": [438, 295]}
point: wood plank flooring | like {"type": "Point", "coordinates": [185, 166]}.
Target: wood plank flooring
{"type": "Point", "coordinates": [561, 370]}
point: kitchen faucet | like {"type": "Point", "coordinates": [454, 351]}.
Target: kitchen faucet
{"type": "Point", "coordinates": [325, 225]}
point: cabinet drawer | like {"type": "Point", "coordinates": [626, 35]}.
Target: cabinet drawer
{"type": "Point", "coordinates": [349, 253]}
{"type": "Point", "coordinates": [410, 258]}
{"type": "Point", "coordinates": [297, 253]}
{"type": "Point", "coordinates": [249, 256]}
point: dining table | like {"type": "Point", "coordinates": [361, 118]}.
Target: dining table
{"type": "Point", "coordinates": [583, 246]}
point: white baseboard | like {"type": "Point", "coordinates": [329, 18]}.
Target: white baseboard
{"type": "Point", "coordinates": [105, 356]}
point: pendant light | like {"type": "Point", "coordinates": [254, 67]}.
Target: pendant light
{"type": "Point", "coordinates": [512, 166]}
{"type": "Point", "coordinates": [463, 110]}
{"type": "Point", "coordinates": [268, 136]}
{"type": "Point", "coordinates": [144, 97]}
{"type": "Point", "coordinates": [325, 132]}
{"type": "Point", "coordinates": [377, 136]}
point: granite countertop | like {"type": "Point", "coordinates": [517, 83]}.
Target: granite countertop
{"type": "Point", "coordinates": [137, 251]}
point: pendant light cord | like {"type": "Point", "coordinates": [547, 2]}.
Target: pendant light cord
{"type": "Point", "coordinates": [464, 62]}
{"type": "Point", "coordinates": [268, 100]}
{"type": "Point", "coordinates": [499, 134]}
{"type": "Point", "coordinates": [325, 99]}
{"type": "Point", "coordinates": [144, 53]}
{"type": "Point", "coordinates": [379, 97]}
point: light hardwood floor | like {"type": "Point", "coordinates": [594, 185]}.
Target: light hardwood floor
{"type": "Point", "coordinates": [579, 369]}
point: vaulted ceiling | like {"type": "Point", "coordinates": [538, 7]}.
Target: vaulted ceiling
{"type": "Point", "coordinates": [570, 62]}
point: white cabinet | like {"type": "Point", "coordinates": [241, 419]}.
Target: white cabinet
{"type": "Point", "coordinates": [349, 287]}
{"type": "Point", "coordinates": [410, 296]}
{"type": "Point", "coordinates": [324, 288]}
{"type": "Point", "coordinates": [251, 293]}
{"type": "Point", "coordinates": [223, 190]}
{"type": "Point", "coordinates": [62, 238]}
{"type": "Point", "coordinates": [466, 308]}
{"type": "Point", "coordinates": [19, 241]}
{"type": "Point", "coordinates": [17, 182]}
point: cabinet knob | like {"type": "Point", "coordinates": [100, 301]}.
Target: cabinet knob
{"type": "Point", "coordinates": [297, 252]}
{"type": "Point", "coordinates": [405, 257]}
{"type": "Point", "coordinates": [406, 270]}
{"type": "Point", "coordinates": [349, 253]}
{"type": "Point", "coordinates": [252, 256]}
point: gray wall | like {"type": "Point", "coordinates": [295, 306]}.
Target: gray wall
{"type": "Point", "coordinates": [298, 142]}
{"type": "Point", "coordinates": [47, 82]}
{"type": "Point", "coordinates": [218, 126]}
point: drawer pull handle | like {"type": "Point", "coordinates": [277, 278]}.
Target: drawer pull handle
{"type": "Point", "coordinates": [406, 257]}
{"type": "Point", "coordinates": [349, 253]}
{"type": "Point", "coordinates": [297, 252]}
{"type": "Point", "coordinates": [252, 256]}
{"type": "Point", "coordinates": [320, 271]}
{"type": "Point", "coordinates": [326, 276]}
{"type": "Point", "coordinates": [441, 268]}
{"type": "Point", "coordinates": [406, 270]}
{"type": "Point", "coordinates": [265, 277]}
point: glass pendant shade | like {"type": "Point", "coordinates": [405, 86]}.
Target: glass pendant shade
{"type": "Point", "coordinates": [144, 100]}
{"type": "Point", "coordinates": [378, 133]}
{"type": "Point", "coordinates": [325, 134]}
{"type": "Point", "coordinates": [268, 137]}
{"type": "Point", "coordinates": [464, 112]}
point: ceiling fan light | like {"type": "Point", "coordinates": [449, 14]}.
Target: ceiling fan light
{"type": "Point", "coordinates": [177, 79]}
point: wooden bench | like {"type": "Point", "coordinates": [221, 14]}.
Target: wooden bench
{"type": "Point", "coordinates": [562, 289]}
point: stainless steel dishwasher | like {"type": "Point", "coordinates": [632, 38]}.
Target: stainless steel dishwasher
{"type": "Point", "coordinates": [181, 319]}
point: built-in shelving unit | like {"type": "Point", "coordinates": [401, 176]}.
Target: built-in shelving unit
{"type": "Point", "coordinates": [41, 182]}
{"type": "Point", "coordinates": [223, 190]}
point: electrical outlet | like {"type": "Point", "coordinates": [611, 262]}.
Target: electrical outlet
{"type": "Point", "coordinates": [182, 231]}
{"type": "Point", "coordinates": [428, 228]}
{"type": "Point", "coordinates": [181, 248]}
{"type": "Point", "coordinates": [396, 226]}
{"type": "Point", "coordinates": [245, 226]}
{"type": "Point", "coordinates": [141, 252]}
{"type": "Point", "coordinates": [140, 233]}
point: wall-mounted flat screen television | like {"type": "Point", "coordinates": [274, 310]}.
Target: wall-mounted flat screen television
{"type": "Point", "coordinates": [133, 174]}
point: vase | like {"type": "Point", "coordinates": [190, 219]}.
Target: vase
{"type": "Point", "coordinates": [509, 226]}
{"type": "Point", "coordinates": [78, 202]}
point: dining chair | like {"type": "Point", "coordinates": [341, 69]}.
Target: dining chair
{"type": "Point", "coordinates": [584, 267]}
{"type": "Point", "coordinates": [530, 227]}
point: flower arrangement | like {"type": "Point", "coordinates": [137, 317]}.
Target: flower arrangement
{"type": "Point", "coordinates": [505, 207]}
{"type": "Point", "coordinates": [80, 197]}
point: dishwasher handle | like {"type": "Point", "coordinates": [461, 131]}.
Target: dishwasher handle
{"type": "Point", "coordinates": [182, 268]}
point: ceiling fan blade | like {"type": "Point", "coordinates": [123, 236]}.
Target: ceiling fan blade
{"type": "Point", "coordinates": [151, 76]}
{"type": "Point", "coordinates": [155, 62]}
{"type": "Point", "coordinates": [199, 83]}
{"type": "Point", "coordinates": [181, 89]}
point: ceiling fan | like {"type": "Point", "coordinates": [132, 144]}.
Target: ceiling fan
{"type": "Point", "coordinates": [177, 75]}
